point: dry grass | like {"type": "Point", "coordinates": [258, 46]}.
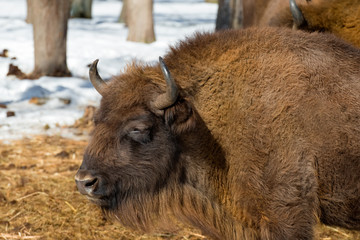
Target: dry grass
{"type": "Point", "coordinates": [39, 200]}
{"type": "Point", "coordinates": [38, 196]}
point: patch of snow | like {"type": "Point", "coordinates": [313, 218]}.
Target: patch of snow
{"type": "Point", "coordinates": [88, 39]}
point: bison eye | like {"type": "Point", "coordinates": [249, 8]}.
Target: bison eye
{"type": "Point", "coordinates": [140, 135]}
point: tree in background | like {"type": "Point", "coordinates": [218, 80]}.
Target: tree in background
{"type": "Point", "coordinates": [81, 8]}
{"type": "Point", "coordinates": [122, 17]}
{"type": "Point", "coordinates": [139, 15]}
{"type": "Point", "coordinates": [49, 19]}
{"type": "Point", "coordinates": [230, 14]}
{"type": "Point", "coordinates": [28, 12]}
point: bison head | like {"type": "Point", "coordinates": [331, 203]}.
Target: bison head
{"type": "Point", "coordinates": [133, 150]}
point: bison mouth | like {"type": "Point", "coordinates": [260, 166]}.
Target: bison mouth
{"type": "Point", "coordinates": [97, 189]}
{"type": "Point", "coordinates": [101, 201]}
{"type": "Point", "coordinates": [105, 202]}
{"type": "Point", "coordinates": [110, 194]}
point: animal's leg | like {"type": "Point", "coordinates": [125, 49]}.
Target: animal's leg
{"type": "Point", "coordinates": [289, 222]}
{"type": "Point", "coordinates": [339, 192]}
{"type": "Point", "coordinates": [291, 203]}
{"type": "Point", "coordinates": [339, 211]}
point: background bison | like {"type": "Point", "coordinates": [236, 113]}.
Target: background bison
{"type": "Point", "coordinates": [260, 12]}
{"type": "Point", "coordinates": [340, 17]}
{"type": "Point", "coordinates": [254, 134]}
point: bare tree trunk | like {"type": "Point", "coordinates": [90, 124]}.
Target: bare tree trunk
{"type": "Point", "coordinates": [230, 14]}
{"type": "Point", "coordinates": [123, 17]}
{"type": "Point", "coordinates": [223, 20]}
{"type": "Point", "coordinates": [81, 8]}
{"type": "Point", "coordinates": [140, 21]}
{"type": "Point", "coordinates": [237, 14]}
{"type": "Point", "coordinates": [28, 11]}
{"type": "Point", "coordinates": [49, 18]}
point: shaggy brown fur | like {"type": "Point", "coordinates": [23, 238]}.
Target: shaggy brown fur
{"type": "Point", "coordinates": [340, 17]}
{"type": "Point", "coordinates": [263, 141]}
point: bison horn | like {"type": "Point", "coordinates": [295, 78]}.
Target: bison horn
{"type": "Point", "coordinates": [95, 78]}
{"type": "Point", "coordinates": [297, 14]}
{"type": "Point", "coordinates": [169, 97]}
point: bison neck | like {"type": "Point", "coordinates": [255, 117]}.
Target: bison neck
{"type": "Point", "coordinates": [201, 195]}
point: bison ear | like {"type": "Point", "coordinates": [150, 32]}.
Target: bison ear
{"type": "Point", "coordinates": [180, 117]}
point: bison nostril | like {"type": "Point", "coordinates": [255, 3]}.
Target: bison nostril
{"type": "Point", "coordinates": [86, 183]}
{"type": "Point", "coordinates": [91, 183]}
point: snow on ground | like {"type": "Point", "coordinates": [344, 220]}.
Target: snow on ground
{"type": "Point", "coordinates": [100, 37]}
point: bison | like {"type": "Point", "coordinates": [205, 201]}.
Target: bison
{"type": "Point", "coordinates": [340, 17]}
{"type": "Point", "coordinates": [231, 14]}
{"type": "Point", "coordinates": [244, 134]}
{"type": "Point", "coordinates": [260, 12]}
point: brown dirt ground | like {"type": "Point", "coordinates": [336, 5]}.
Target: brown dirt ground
{"type": "Point", "coordinates": [39, 200]}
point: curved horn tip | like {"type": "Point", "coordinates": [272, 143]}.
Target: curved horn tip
{"type": "Point", "coordinates": [162, 64]}
{"type": "Point", "coordinates": [93, 66]}
{"type": "Point", "coordinates": [167, 99]}
{"type": "Point", "coordinates": [95, 78]}
{"type": "Point", "coordinates": [166, 72]}
{"type": "Point", "coordinates": [296, 13]}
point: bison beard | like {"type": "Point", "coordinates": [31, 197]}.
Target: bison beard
{"type": "Point", "coordinates": [248, 134]}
